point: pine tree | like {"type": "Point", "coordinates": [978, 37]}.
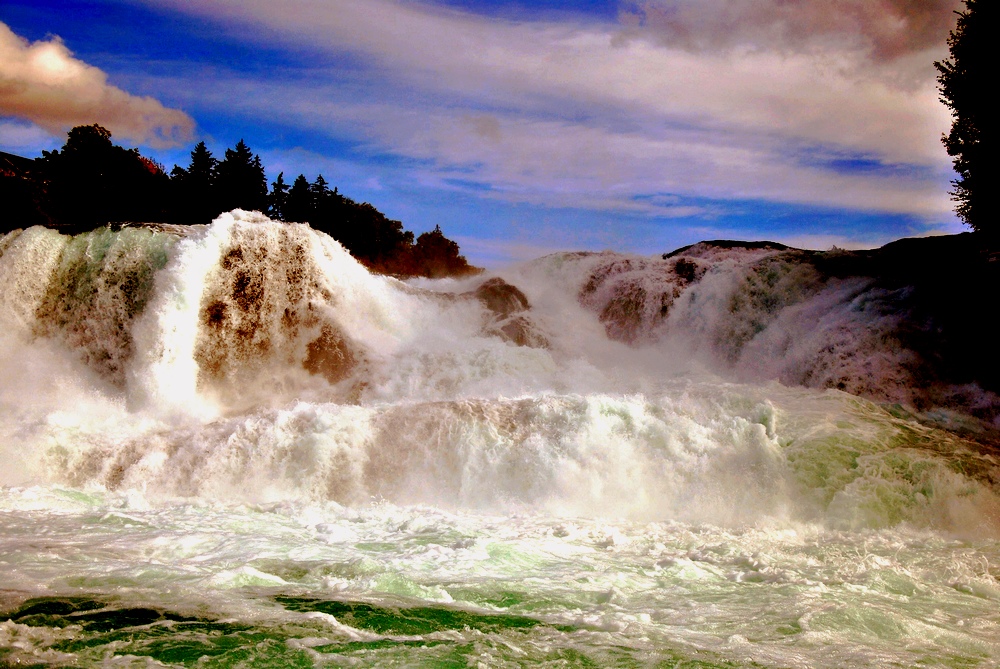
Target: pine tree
{"type": "Point", "coordinates": [278, 198]}
{"type": "Point", "coordinates": [203, 165]}
{"type": "Point", "coordinates": [320, 189]}
{"type": "Point", "coordinates": [965, 81]}
{"type": "Point", "coordinates": [329, 214]}
{"type": "Point", "coordinates": [196, 197]}
{"type": "Point", "coordinates": [241, 180]}
{"type": "Point", "coordinates": [299, 204]}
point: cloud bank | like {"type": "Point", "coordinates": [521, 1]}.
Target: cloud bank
{"type": "Point", "coordinates": [836, 96]}
{"type": "Point", "coordinates": [44, 83]}
{"type": "Point", "coordinates": [738, 99]}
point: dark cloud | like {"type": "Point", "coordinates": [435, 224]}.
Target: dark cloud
{"type": "Point", "coordinates": [887, 29]}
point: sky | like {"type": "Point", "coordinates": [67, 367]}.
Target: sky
{"type": "Point", "coordinates": [523, 128]}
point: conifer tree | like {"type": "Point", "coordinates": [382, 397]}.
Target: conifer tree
{"type": "Point", "coordinates": [203, 165]}
{"type": "Point", "coordinates": [320, 189]}
{"type": "Point", "coordinates": [327, 215]}
{"type": "Point", "coordinates": [966, 82]}
{"type": "Point", "coordinates": [241, 180]}
{"type": "Point", "coordinates": [324, 214]}
{"type": "Point", "coordinates": [278, 198]}
{"type": "Point", "coordinates": [196, 199]}
{"type": "Point", "coordinates": [299, 204]}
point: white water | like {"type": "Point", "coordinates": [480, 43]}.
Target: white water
{"type": "Point", "coordinates": [205, 425]}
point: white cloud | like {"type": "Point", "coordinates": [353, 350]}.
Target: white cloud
{"type": "Point", "coordinates": [565, 163]}
{"type": "Point", "coordinates": [831, 96]}
{"type": "Point", "coordinates": [601, 116]}
{"type": "Point", "coordinates": [43, 82]}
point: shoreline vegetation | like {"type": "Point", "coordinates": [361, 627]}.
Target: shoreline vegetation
{"type": "Point", "coordinates": [92, 182]}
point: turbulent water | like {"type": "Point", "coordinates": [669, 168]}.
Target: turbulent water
{"type": "Point", "coordinates": [230, 445]}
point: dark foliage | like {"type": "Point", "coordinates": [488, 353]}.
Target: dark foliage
{"type": "Point", "coordinates": [92, 182]}
{"type": "Point", "coordinates": [195, 197]}
{"type": "Point", "coordinates": [379, 242]}
{"type": "Point", "coordinates": [277, 199]}
{"type": "Point", "coordinates": [436, 255]}
{"type": "Point", "coordinates": [299, 203]}
{"type": "Point", "coordinates": [240, 180]}
{"type": "Point", "coordinates": [966, 82]}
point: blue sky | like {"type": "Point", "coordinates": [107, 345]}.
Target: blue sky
{"type": "Point", "coordinates": [523, 127]}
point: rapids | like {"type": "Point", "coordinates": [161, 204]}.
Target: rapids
{"type": "Point", "coordinates": [231, 445]}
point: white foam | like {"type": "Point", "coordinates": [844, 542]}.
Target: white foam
{"type": "Point", "coordinates": [164, 374]}
{"type": "Point", "coordinates": [431, 407]}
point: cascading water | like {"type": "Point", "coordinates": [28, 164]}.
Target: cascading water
{"type": "Point", "coordinates": [231, 445]}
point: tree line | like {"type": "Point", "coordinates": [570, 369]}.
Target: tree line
{"type": "Point", "coordinates": [92, 182]}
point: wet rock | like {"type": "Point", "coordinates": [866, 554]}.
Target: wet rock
{"type": "Point", "coordinates": [519, 330]}
{"type": "Point", "coordinates": [501, 298]}
{"type": "Point", "coordinates": [329, 355]}
{"type": "Point", "coordinates": [507, 306]}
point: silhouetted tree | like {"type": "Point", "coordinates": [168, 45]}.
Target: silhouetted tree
{"type": "Point", "coordinates": [331, 211]}
{"type": "Point", "coordinates": [437, 256]}
{"type": "Point", "coordinates": [965, 81]}
{"type": "Point", "coordinates": [278, 198]}
{"type": "Point", "coordinates": [299, 204]}
{"type": "Point", "coordinates": [320, 189]}
{"type": "Point", "coordinates": [321, 214]}
{"type": "Point", "coordinates": [369, 235]}
{"type": "Point", "coordinates": [241, 180]}
{"type": "Point", "coordinates": [196, 199]}
{"type": "Point", "coordinates": [92, 182]}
